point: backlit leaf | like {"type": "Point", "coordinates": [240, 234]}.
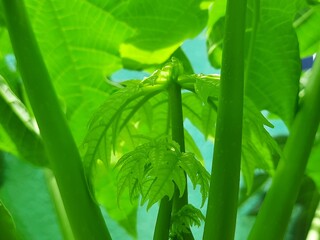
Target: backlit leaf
{"type": "Point", "coordinates": [154, 168]}
{"type": "Point", "coordinates": [80, 45]}
{"type": "Point", "coordinates": [305, 26]}
{"type": "Point", "coordinates": [161, 26]}
{"type": "Point", "coordinates": [186, 217]}
{"type": "Point", "coordinates": [259, 149]}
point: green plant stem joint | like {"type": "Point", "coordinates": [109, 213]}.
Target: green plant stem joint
{"type": "Point", "coordinates": [170, 74]}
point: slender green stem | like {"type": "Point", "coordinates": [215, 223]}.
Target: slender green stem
{"type": "Point", "coordinates": [84, 215]}
{"type": "Point", "coordinates": [161, 231]}
{"type": "Point", "coordinates": [224, 186]}
{"type": "Point", "coordinates": [285, 186]}
{"type": "Point", "coordinates": [177, 130]}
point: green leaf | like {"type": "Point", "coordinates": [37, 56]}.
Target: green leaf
{"type": "Point", "coordinates": [272, 65]}
{"type": "Point", "coordinates": [131, 116]}
{"type": "Point", "coordinates": [207, 86]}
{"type": "Point", "coordinates": [154, 168]}
{"type": "Point", "coordinates": [8, 229]}
{"type": "Point", "coordinates": [305, 26]}
{"type": "Point", "coordinates": [185, 218]}
{"type": "Point", "coordinates": [161, 26]}
{"type": "Point", "coordinates": [20, 129]}
{"type": "Point", "coordinates": [122, 123]}
{"type": "Point", "coordinates": [197, 108]}
{"type": "Point", "coordinates": [209, 117]}
{"type": "Point", "coordinates": [192, 108]}
{"type": "Point", "coordinates": [191, 146]}
{"type": "Point", "coordinates": [259, 149]}
{"type": "Point", "coordinates": [80, 45]}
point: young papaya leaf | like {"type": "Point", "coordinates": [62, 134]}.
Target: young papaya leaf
{"type": "Point", "coordinates": [305, 25]}
{"type": "Point", "coordinates": [209, 117]}
{"type": "Point", "coordinates": [202, 115]}
{"type": "Point", "coordinates": [153, 169]}
{"type": "Point", "coordinates": [20, 128]}
{"type": "Point", "coordinates": [175, 22]}
{"type": "Point", "coordinates": [7, 226]}
{"type": "Point", "coordinates": [207, 86]}
{"type": "Point", "coordinates": [192, 106]}
{"type": "Point", "coordinates": [131, 116]}
{"type": "Point", "coordinates": [80, 45]}
{"type": "Point", "coordinates": [124, 213]}
{"type": "Point", "coordinates": [197, 174]}
{"type": "Point", "coordinates": [259, 149]}
{"type": "Point", "coordinates": [99, 137]}
{"type": "Point", "coordinates": [185, 218]}
{"type": "Point", "coordinates": [121, 124]}
{"type": "Point", "coordinates": [191, 146]}
{"type": "Point", "coordinates": [164, 173]}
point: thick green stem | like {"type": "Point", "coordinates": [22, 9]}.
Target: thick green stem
{"type": "Point", "coordinates": [224, 185]}
{"type": "Point", "coordinates": [84, 215]}
{"type": "Point", "coordinates": [285, 186]}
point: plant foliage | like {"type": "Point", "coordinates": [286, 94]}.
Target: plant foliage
{"type": "Point", "coordinates": [152, 170]}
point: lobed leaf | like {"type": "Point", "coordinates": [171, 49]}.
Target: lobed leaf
{"type": "Point", "coordinates": [185, 218]}
{"type": "Point", "coordinates": [259, 149]}
{"type": "Point", "coordinates": [153, 169]}
{"type": "Point", "coordinates": [197, 174]}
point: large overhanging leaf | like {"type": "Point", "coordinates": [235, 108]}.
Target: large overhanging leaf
{"type": "Point", "coordinates": [273, 65]}
{"type": "Point", "coordinates": [161, 26]}
{"type": "Point", "coordinates": [307, 28]}
{"type": "Point", "coordinates": [80, 45]}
